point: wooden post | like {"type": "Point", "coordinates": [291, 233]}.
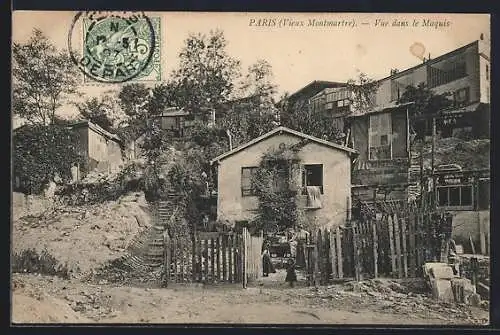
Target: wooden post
{"type": "Point", "coordinates": [174, 258]}
{"type": "Point", "coordinates": [339, 253]}
{"type": "Point", "coordinates": [397, 240]}
{"type": "Point", "coordinates": [348, 208]}
{"type": "Point", "coordinates": [315, 260]}
{"type": "Point", "coordinates": [224, 258]}
{"type": "Point", "coordinates": [356, 247]}
{"type": "Point", "coordinates": [193, 256]}
{"type": "Point", "coordinates": [319, 258]}
{"type": "Point", "coordinates": [333, 254]}
{"type": "Point", "coordinates": [472, 244]}
{"type": "Point", "coordinates": [212, 259]}
{"type": "Point", "coordinates": [166, 264]}
{"type": "Point", "coordinates": [219, 248]}
{"type": "Point", "coordinates": [375, 249]}
{"type": "Point", "coordinates": [405, 255]}
{"type": "Point", "coordinates": [244, 257]}
{"type": "Point", "coordinates": [391, 244]}
{"type": "Point", "coordinates": [229, 258]}
{"type": "Point", "coordinates": [412, 244]}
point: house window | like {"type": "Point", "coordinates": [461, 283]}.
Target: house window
{"type": "Point", "coordinates": [455, 196]}
{"type": "Point", "coordinates": [461, 96]}
{"type": "Point", "coordinates": [380, 131]}
{"type": "Point", "coordinates": [312, 175]}
{"type": "Point", "coordinates": [247, 186]}
{"type": "Point", "coordinates": [487, 72]}
{"type": "Point", "coordinates": [343, 103]}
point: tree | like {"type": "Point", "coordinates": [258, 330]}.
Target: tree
{"type": "Point", "coordinates": [42, 152]}
{"type": "Point", "coordinates": [259, 82]}
{"type": "Point", "coordinates": [42, 77]}
{"type": "Point", "coordinates": [425, 104]}
{"type": "Point", "coordinates": [133, 99]}
{"type": "Point", "coordinates": [102, 111]}
{"type": "Point", "coordinates": [206, 75]}
{"type": "Point", "coordinates": [363, 91]}
{"type": "Point", "coordinates": [298, 116]}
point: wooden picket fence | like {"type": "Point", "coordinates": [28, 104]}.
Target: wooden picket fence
{"type": "Point", "coordinates": [213, 257]}
{"type": "Point", "coordinates": [390, 244]}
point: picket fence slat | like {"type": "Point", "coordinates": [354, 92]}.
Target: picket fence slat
{"type": "Point", "coordinates": [333, 254]}
{"type": "Point", "coordinates": [397, 240]}
{"type": "Point", "coordinates": [405, 255]}
{"type": "Point", "coordinates": [375, 249]}
{"type": "Point", "coordinates": [391, 244]}
{"type": "Point", "coordinates": [339, 253]}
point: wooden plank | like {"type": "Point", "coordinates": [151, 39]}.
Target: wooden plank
{"type": "Point", "coordinates": [174, 260]}
{"type": "Point", "coordinates": [356, 251]}
{"type": "Point", "coordinates": [224, 258]}
{"type": "Point", "coordinates": [230, 258]}
{"type": "Point", "coordinates": [375, 248]}
{"type": "Point", "coordinates": [319, 260]}
{"type": "Point", "coordinates": [339, 253]}
{"type": "Point", "coordinates": [333, 254]}
{"type": "Point", "coordinates": [193, 257]}
{"type": "Point", "coordinates": [391, 244]}
{"type": "Point", "coordinates": [244, 257]}
{"type": "Point", "coordinates": [397, 241]}
{"type": "Point", "coordinates": [205, 263]}
{"type": "Point", "coordinates": [316, 263]}
{"type": "Point", "coordinates": [212, 259]}
{"type": "Point", "coordinates": [405, 255]}
{"type": "Point", "coordinates": [168, 253]}
{"type": "Point", "coordinates": [411, 234]}
{"type": "Point", "coordinates": [219, 247]}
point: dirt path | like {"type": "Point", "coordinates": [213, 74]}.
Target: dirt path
{"type": "Point", "coordinates": [269, 302]}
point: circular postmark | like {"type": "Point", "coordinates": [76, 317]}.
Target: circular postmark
{"type": "Point", "coordinates": [111, 47]}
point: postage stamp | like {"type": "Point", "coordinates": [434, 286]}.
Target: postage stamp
{"type": "Point", "coordinates": [116, 46]}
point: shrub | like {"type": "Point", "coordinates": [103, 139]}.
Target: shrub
{"type": "Point", "coordinates": [42, 152]}
{"type": "Point", "coordinates": [31, 261]}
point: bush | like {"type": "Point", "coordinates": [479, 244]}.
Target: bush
{"type": "Point", "coordinates": [42, 152]}
{"type": "Point", "coordinates": [44, 263]}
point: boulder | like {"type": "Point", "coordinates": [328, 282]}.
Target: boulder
{"type": "Point", "coordinates": [441, 290]}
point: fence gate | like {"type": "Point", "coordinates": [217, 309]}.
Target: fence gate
{"type": "Point", "coordinates": [213, 257]}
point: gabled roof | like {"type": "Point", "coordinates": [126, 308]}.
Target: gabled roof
{"type": "Point", "coordinates": [280, 130]}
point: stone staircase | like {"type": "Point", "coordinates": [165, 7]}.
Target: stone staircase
{"type": "Point", "coordinates": [144, 257]}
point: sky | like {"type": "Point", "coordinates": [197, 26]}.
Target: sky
{"type": "Point", "coordinates": [297, 54]}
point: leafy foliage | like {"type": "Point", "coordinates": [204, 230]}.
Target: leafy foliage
{"type": "Point", "coordinates": [298, 116]}
{"type": "Point", "coordinates": [101, 111]}
{"type": "Point", "coordinates": [43, 152]}
{"type": "Point", "coordinates": [363, 91]}
{"type": "Point", "coordinates": [42, 77]}
{"type": "Point", "coordinates": [274, 185]}
{"type": "Point", "coordinates": [133, 99]}
{"type": "Point", "coordinates": [259, 81]}
{"type": "Point", "coordinates": [425, 103]}
{"type": "Point", "coordinates": [205, 78]}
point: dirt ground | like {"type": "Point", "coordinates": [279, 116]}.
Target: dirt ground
{"type": "Point", "coordinates": [88, 237]}
{"type": "Point", "coordinates": [44, 299]}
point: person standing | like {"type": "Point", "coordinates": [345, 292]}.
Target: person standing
{"type": "Point", "coordinates": [267, 265]}
{"type": "Point", "coordinates": [291, 275]}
